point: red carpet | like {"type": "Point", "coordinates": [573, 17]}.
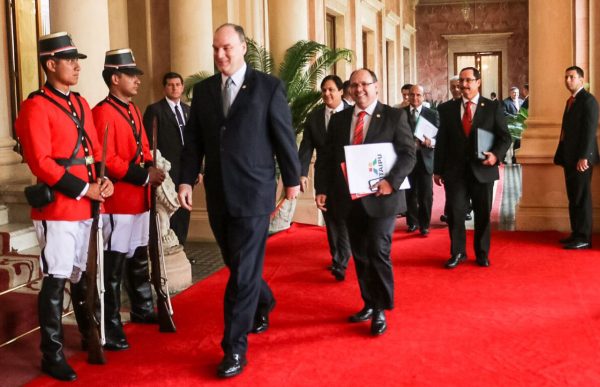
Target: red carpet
{"type": "Point", "coordinates": [531, 319]}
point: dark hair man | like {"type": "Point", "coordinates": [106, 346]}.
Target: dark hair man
{"type": "Point", "coordinates": [171, 115]}
{"type": "Point", "coordinates": [577, 153]}
{"type": "Point", "coordinates": [458, 166]}
{"type": "Point", "coordinates": [313, 138]}
{"type": "Point", "coordinates": [51, 120]}
{"type": "Point", "coordinates": [125, 223]}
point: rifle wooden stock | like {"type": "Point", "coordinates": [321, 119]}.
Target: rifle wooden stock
{"type": "Point", "coordinates": [155, 251]}
{"type": "Point", "coordinates": [94, 344]}
{"type": "Point", "coordinates": [92, 298]}
{"type": "Point", "coordinates": [165, 319]}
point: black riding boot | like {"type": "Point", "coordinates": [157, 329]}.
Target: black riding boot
{"type": "Point", "coordinates": [138, 287]}
{"type": "Point", "coordinates": [50, 308]}
{"type": "Point", "coordinates": [78, 296]}
{"type": "Point", "coordinates": [113, 271]}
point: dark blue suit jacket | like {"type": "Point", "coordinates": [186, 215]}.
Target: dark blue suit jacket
{"type": "Point", "coordinates": [168, 135]}
{"type": "Point", "coordinates": [454, 151]}
{"type": "Point", "coordinates": [313, 137]}
{"type": "Point", "coordinates": [387, 125]}
{"type": "Point", "coordinates": [426, 153]}
{"type": "Point", "coordinates": [239, 150]}
{"type": "Point", "coordinates": [579, 125]}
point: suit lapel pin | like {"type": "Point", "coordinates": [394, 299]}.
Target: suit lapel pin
{"type": "Point", "coordinates": [243, 86]}
{"type": "Point", "coordinates": [378, 115]}
{"type": "Point", "coordinates": [482, 104]}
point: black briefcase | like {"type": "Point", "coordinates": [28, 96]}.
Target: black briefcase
{"type": "Point", "coordinates": [39, 195]}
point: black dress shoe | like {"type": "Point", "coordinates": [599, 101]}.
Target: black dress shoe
{"type": "Point", "coordinates": [116, 345]}
{"type": "Point", "coordinates": [378, 323]}
{"type": "Point", "coordinates": [468, 217]}
{"type": "Point", "coordinates": [231, 365]}
{"type": "Point", "coordinates": [568, 239]}
{"type": "Point", "coordinates": [424, 231]}
{"type": "Point", "coordinates": [411, 228]}
{"type": "Point", "coordinates": [482, 261]}
{"type": "Point", "coordinates": [444, 218]}
{"type": "Point", "coordinates": [59, 370]}
{"type": "Point", "coordinates": [261, 319]}
{"type": "Point", "coordinates": [455, 260]}
{"type": "Point", "coordinates": [363, 315]}
{"type": "Point", "coordinates": [578, 245]}
{"type": "Point", "coordinates": [339, 273]}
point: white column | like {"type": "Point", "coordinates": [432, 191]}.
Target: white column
{"type": "Point", "coordinates": [11, 168]}
{"type": "Point", "coordinates": [118, 24]}
{"type": "Point", "coordinates": [87, 23]}
{"type": "Point", "coordinates": [191, 36]}
{"type": "Point", "coordinates": [288, 23]}
{"type": "Point", "coordinates": [543, 204]}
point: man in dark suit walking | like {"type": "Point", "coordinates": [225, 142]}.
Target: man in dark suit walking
{"type": "Point", "coordinates": [239, 121]}
{"type": "Point", "coordinates": [465, 172]}
{"type": "Point", "coordinates": [419, 198]}
{"type": "Point", "coordinates": [313, 138]}
{"type": "Point", "coordinates": [577, 153]}
{"type": "Point", "coordinates": [171, 116]}
{"type": "Point", "coordinates": [370, 219]}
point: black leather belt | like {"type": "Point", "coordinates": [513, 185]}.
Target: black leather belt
{"type": "Point", "coordinates": [88, 160]}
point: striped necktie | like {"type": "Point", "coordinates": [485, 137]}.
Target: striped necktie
{"type": "Point", "coordinates": [357, 139]}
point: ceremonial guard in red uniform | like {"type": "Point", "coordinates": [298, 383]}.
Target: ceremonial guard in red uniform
{"type": "Point", "coordinates": [60, 145]}
{"type": "Point", "coordinates": [126, 220]}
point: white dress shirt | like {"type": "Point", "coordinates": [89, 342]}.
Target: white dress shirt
{"type": "Point", "coordinates": [237, 79]}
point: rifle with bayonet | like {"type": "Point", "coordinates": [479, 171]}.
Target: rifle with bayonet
{"type": "Point", "coordinates": [157, 258]}
{"type": "Point", "coordinates": [95, 277]}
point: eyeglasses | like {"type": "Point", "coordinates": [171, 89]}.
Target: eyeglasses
{"type": "Point", "coordinates": [363, 84]}
{"type": "Point", "coordinates": [466, 80]}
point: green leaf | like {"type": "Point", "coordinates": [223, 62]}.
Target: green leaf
{"type": "Point", "coordinates": [191, 81]}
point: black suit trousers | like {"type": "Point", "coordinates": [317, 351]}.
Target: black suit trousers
{"type": "Point", "coordinates": [242, 241]}
{"type": "Point", "coordinates": [419, 198]}
{"type": "Point", "coordinates": [458, 193]}
{"type": "Point", "coordinates": [339, 242]}
{"type": "Point", "coordinates": [579, 193]}
{"type": "Point", "coordinates": [371, 241]}
{"type": "Point", "coordinates": [180, 222]}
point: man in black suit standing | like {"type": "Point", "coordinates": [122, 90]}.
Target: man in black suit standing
{"type": "Point", "coordinates": [370, 219]}
{"type": "Point", "coordinates": [465, 172]}
{"type": "Point", "coordinates": [171, 115]}
{"type": "Point", "coordinates": [239, 123]}
{"type": "Point", "coordinates": [577, 153]}
{"type": "Point", "coordinates": [419, 198]}
{"type": "Point", "coordinates": [525, 103]}
{"type": "Point", "coordinates": [313, 138]}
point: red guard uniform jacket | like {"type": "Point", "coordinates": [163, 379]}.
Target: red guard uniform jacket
{"type": "Point", "coordinates": [48, 134]}
{"type": "Point", "coordinates": [126, 163]}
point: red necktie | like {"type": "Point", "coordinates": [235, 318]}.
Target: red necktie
{"type": "Point", "coordinates": [570, 102]}
{"type": "Point", "coordinates": [357, 139]}
{"type": "Point", "coordinates": [467, 118]}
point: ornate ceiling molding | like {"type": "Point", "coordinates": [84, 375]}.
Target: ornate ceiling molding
{"type": "Point", "coordinates": [461, 2]}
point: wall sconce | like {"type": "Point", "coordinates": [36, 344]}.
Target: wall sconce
{"type": "Point", "coordinates": [466, 11]}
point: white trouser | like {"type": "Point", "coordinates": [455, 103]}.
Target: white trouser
{"type": "Point", "coordinates": [64, 246]}
{"type": "Point", "coordinates": [125, 232]}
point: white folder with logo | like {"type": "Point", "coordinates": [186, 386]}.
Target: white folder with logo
{"type": "Point", "coordinates": [367, 164]}
{"type": "Point", "coordinates": [424, 129]}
